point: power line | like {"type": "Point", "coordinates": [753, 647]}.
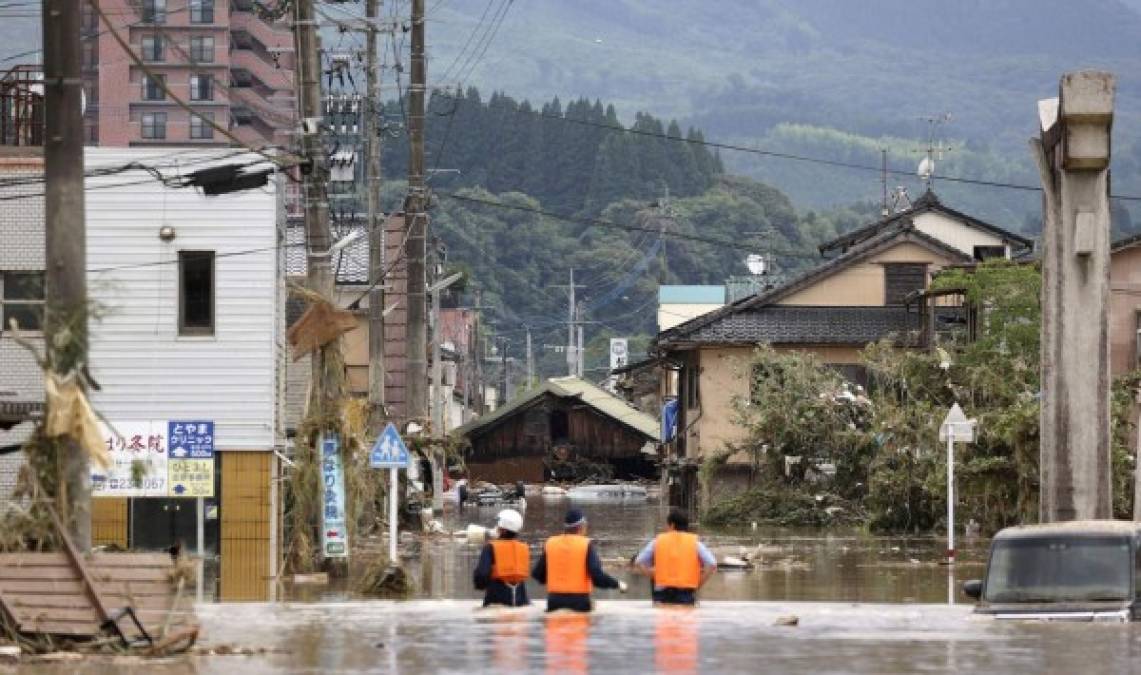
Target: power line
{"type": "Point", "coordinates": [489, 36]}
{"type": "Point", "coordinates": [773, 153]}
{"type": "Point", "coordinates": [32, 52]}
{"type": "Point", "coordinates": [599, 222]}
{"type": "Point", "coordinates": [460, 53]}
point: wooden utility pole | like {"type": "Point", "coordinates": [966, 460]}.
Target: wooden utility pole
{"type": "Point", "coordinates": [1073, 155]}
{"type": "Point", "coordinates": [65, 237]}
{"type": "Point", "coordinates": [376, 228]}
{"type": "Point", "coordinates": [415, 250]}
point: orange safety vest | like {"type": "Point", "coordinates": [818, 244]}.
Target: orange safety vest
{"type": "Point", "coordinates": [511, 561]}
{"type": "Point", "coordinates": [676, 564]}
{"type": "Point", "coordinates": [566, 564]}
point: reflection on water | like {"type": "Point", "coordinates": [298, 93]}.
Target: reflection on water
{"type": "Point", "coordinates": [625, 636]}
{"type": "Point", "coordinates": [796, 564]}
{"type": "Point", "coordinates": [675, 640]}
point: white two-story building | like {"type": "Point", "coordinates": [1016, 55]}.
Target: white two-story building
{"type": "Point", "coordinates": [185, 344]}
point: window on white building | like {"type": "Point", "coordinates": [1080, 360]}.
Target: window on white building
{"type": "Point", "coordinates": [195, 292]}
{"type": "Point", "coordinates": [22, 299]}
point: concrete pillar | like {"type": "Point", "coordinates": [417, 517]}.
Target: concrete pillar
{"type": "Point", "coordinates": [1073, 157]}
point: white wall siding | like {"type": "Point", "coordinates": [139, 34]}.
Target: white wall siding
{"type": "Point", "coordinates": [146, 370]}
{"type": "Point", "coordinates": [954, 232]}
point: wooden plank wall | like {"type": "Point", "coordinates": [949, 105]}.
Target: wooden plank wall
{"type": "Point", "coordinates": [44, 592]}
{"type": "Point", "coordinates": [109, 522]}
{"type": "Point", "coordinates": [246, 522]}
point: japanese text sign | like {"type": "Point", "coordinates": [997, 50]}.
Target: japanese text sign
{"type": "Point", "coordinates": [334, 534]}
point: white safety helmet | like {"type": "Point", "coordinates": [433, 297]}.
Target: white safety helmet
{"type": "Point", "coordinates": [510, 520]}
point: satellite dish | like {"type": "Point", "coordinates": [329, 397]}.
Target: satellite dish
{"type": "Point", "coordinates": [926, 168]}
{"type": "Point", "coordinates": [756, 264]}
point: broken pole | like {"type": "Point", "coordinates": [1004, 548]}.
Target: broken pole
{"type": "Point", "coordinates": [1073, 153]}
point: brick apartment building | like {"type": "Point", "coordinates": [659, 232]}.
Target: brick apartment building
{"type": "Point", "coordinates": [226, 58]}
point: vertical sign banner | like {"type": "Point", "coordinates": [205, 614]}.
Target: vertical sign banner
{"type": "Point", "coordinates": [138, 460]}
{"type": "Point", "coordinates": [190, 466]}
{"type": "Point", "coordinates": [334, 535]}
{"type": "Point", "coordinates": [619, 352]}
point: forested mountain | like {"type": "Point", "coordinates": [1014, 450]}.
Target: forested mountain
{"type": "Point", "coordinates": [577, 158]}
{"type": "Point", "coordinates": [834, 77]}
{"type": "Point", "coordinates": [539, 194]}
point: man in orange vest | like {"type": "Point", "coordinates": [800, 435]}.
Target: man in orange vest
{"type": "Point", "coordinates": [678, 563]}
{"type": "Point", "coordinates": [504, 564]}
{"type": "Point", "coordinates": [570, 567]}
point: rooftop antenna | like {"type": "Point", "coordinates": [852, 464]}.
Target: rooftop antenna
{"type": "Point", "coordinates": [900, 200]}
{"type": "Point", "coordinates": [757, 264]}
{"type": "Point", "coordinates": [935, 149]}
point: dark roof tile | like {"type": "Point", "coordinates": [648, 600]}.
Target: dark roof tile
{"type": "Point", "coordinates": [797, 324]}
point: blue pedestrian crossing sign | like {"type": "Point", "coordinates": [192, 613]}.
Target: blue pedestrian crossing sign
{"type": "Point", "coordinates": [389, 451]}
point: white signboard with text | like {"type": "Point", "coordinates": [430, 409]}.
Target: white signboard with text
{"type": "Point", "coordinates": [138, 460]}
{"type": "Point", "coordinates": [157, 458]}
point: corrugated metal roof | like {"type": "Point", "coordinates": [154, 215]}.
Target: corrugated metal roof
{"type": "Point", "coordinates": [691, 295]}
{"type": "Point", "coordinates": [572, 387]}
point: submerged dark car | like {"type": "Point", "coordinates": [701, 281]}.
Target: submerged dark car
{"type": "Point", "coordinates": [1075, 571]}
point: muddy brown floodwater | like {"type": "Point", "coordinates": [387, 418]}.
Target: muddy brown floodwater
{"type": "Point", "coordinates": [797, 564]}
{"type": "Point", "coordinates": [864, 604]}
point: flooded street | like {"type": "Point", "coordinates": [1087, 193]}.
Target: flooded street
{"type": "Point", "coordinates": [864, 604]}
{"type": "Point", "coordinates": [623, 636]}
{"type": "Point", "coordinates": [838, 565]}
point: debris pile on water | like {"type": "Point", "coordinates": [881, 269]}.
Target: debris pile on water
{"type": "Point", "coordinates": [385, 580]}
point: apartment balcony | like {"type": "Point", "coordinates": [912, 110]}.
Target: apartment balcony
{"type": "Point", "coordinates": [270, 77]}
{"type": "Point", "coordinates": [22, 106]}
{"type": "Point", "coordinates": [249, 31]}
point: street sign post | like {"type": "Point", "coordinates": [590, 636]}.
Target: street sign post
{"type": "Point", "coordinates": [956, 428]}
{"type": "Point", "coordinates": [390, 452]}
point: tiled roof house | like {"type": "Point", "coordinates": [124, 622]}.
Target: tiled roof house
{"type": "Point", "coordinates": [834, 311]}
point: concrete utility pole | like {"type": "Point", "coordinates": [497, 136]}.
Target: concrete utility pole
{"type": "Point", "coordinates": [320, 278]}
{"type": "Point", "coordinates": [477, 357]}
{"type": "Point", "coordinates": [437, 404]}
{"type": "Point", "coordinates": [66, 240]}
{"type": "Point", "coordinates": [505, 376]}
{"type": "Point", "coordinates": [530, 361]}
{"type": "Point", "coordinates": [1073, 154]}
{"type": "Point", "coordinates": [572, 359]}
{"type": "Point", "coordinates": [415, 248]}
{"type": "Point", "coordinates": [376, 229]}
{"type": "Point", "coordinates": [580, 348]}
